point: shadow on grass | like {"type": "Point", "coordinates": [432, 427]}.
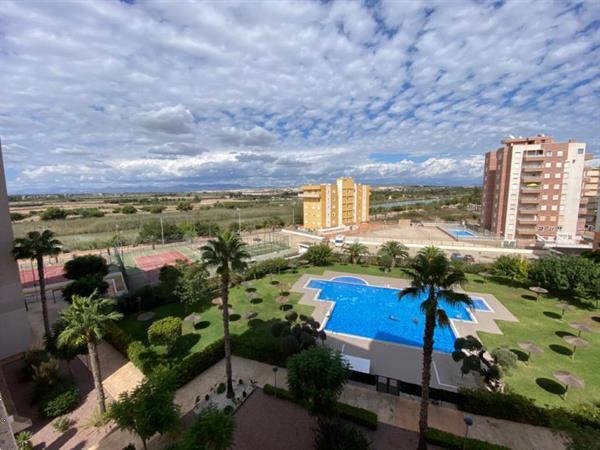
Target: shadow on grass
{"type": "Point", "coordinates": [550, 386]}
{"type": "Point", "coordinates": [478, 280]}
{"type": "Point", "coordinates": [256, 301]}
{"type": "Point", "coordinates": [202, 325]}
{"type": "Point", "coordinates": [595, 319]}
{"type": "Point", "coordinates": [561, 349]}
{"type": "Point", "coordinates": [529, 297]}
{"type": "Point", "coordinates": [234, 317]}
{"type": "Point", "coordinates": [520, 354]}
{"type": "Point", "coordinates": [552, 315]}
{"type": "Point", "coordinates": [250, 289]}
{"type": "Point", "coordinates": [287, 307]}
{"type": "Point", "coordinates": [562, 334]}
{"type": "Point", "coordinates": [183, 344]}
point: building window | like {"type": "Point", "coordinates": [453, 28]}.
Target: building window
{"type": "Point", "coordinates": [540, 228]}
{"type": "Point", "coordinates": [580, 151]}
{"type": "Point", "coordinates": [546, 175]}
{"type": "Point", "coordinates": [545, 197]}
{"type": "Point", "coordinates": [558, 164]}
{"type": "Point", "coordinates": [557, 186]}
{"type": "Point", "coordinates": [555, 197]}
{"type": "Point", "coordinates": [554, 207]}
{"type": "Point", "coordinates": [548, 153]}
{"type": "Point", "coordinates": [559, 153]}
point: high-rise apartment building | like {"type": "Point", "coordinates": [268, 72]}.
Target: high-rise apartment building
{"type": "Point", "coordinates": [590, 198]}
{"type": "Point", "coordinates": [344, 203]}
{"type": "Point", "coordinates": [532, 189]}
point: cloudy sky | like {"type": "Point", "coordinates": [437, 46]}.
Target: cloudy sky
{"type": "Point", "coordinates": [164, 95]}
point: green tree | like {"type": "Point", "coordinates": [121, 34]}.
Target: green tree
{"type": "Point", "coordinates": [316, 377]}
{"type": "Point", "coordinates": [35, 246]}
{"type": "Point", "coordinates": [169, 276]}
{"type": "Point", "coordinates": [84, 286]}
{"type": "Point", "coordinates": [355, 251]}
{"type": "Point", "coordinates": [213, 430]}
{"type": "Point", "coordinates": [165, 331]}
{"type": "Point", "coordinates": [228, 254]}
{"type": "Point", "coordinates": [193, 285]}
{"type": "Point", "coordinates": [15, 216]}
{"type": "Point", "coordinates": [319, 255]}
{"type": "Point", "coordinates": [184, 205]}
{"type": "Point", "coordinates": [81, 266]}
{"type": "Point", "coordinates": [433, 277]}
{"type": "Point", "coordinates": [515, 268]}
{"type": "Point", "coordinates": [394, 250]}
{"type": "Point", "coordinates": [149, 409]}
{"type": "Point", "coordinates": [86, 320]}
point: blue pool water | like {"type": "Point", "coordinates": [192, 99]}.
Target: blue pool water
{"type": "Point", "coordinates": [462, 233]}
{"type": "Point", "coordinates": [365, 310]}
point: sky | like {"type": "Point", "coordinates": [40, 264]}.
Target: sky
{"type": "Point", "coordinates": [145, 95]}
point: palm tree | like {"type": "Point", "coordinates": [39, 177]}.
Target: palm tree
{"type": "Point", "coordinates": [395, 250]}
{"type": "Point", "coordinates": [85, 323]}
{"type": "Point", "coordinates": [228, 255]}
{"type": "Point", "coordinates": [36, 245]}
{"type": "Point", "coordinates": [432, 277]}
{"type": "Point", "coordinates": [355, 251]}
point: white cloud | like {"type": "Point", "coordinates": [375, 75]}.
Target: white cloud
{"type": "Point", "coordinates": [156, 94]}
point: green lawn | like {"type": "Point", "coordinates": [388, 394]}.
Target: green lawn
{"type": "Point", "coordinates": [540, 322]}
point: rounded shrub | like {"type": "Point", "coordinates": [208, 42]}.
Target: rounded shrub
{"type": "Point", "coordinates": [221, 388]}
{"type": "Point", "coordinates": [504, 357]}
{"type": "Point", "coordinates": [59, 401]}
{"type": "Point", "coordinates": [165, 331]}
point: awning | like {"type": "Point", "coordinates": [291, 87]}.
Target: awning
{"type": "Point", "coordinates": [358, 364]}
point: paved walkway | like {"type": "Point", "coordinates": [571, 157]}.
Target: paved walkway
{"type": "Point", "coordinates": [400, 411]}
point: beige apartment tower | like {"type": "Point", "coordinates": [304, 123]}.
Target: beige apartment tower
{"type": "Point", "coordinates": [532, 190]}
{"type": "Point", "coordinates": [342, 204]}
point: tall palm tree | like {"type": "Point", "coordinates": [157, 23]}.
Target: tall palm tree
{"type": "Point", "coordinates": [36, 245]}
{"type": "Point", "coordinates": [355, 251]}
{"type": "Point", "coordinates": [432, 277]}
{"type": "Point", "coordinates": [395, 250]}
{"type": "Point", "coordinates": [85, 323]}
{"type": "Point", "coordinates": [228, 254]}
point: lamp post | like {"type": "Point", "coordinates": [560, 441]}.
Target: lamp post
{"type": "Point", "coordinates": [468, 422]}
{"type": "Point", "coordinates": [239, 221]}
{"type": "Point", "coordinates": [275, 369]}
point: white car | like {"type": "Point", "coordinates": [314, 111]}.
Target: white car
{"type": "Point", "coordinates": [339, 241]}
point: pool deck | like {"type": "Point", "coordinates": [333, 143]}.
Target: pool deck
{"type": "Point", "coordinates": [400, 361]}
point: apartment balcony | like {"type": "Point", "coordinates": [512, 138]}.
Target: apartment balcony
{"type": "Point", "coordinates": [526, 231]}
{"type": "Point", "coordinates": [528, 210]}
{"type": "Point", "coordinates": [529, 200]}
{"type": "Point", "coordinates": [531, 189]}
{"type": "Point", "coordinates": [533, 157]}
{"type": "Point", "coordinates": [531, 179]}
{"type": "Point", "coordinates": [310, 195]}
{"type": "Point", "coordinates": [528, 220]}
{"type": "Point", "coordinates": [533, 168]}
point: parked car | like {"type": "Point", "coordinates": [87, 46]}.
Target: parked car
{"type": "Point", "coordinates": [469, 259]}
{"type": "Point", "coordinates": [457, 257]}
{"type": "Point", "coordinates": [340, 240]}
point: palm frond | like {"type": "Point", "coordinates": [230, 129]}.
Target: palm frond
{"type": "Point", "coordinates": [442, 318]}
{"type": "Point", "coordinates": [455, 298]}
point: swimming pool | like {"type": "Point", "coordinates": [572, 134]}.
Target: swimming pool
{"type": "Point", "coordinates": [375, 312]}
{"type": "Point", "coordinates": [462, 233]}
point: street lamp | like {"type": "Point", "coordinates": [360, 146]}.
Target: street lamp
{"type": "Point", "coordinates": [468, 422]}
{"type": "Point", "coordinates": [239, 221]}
{"type": "Point", "coordinates": [275, 369]}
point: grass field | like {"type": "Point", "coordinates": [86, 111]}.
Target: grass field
{"type": "Point", "coordinates": [538, 322]}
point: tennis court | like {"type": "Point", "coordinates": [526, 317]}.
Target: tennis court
{"type": "Point", "coordinates": [151, 264]}
{"type": "Point", "coordinates": [52, 274]}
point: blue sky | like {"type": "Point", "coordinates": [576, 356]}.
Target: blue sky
{"type": "Point", "coordinates": [155, 95]}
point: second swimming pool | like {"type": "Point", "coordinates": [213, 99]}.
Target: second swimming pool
{"type": "Point", "coordinates": [375, 312]}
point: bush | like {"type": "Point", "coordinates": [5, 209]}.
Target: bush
{"type": "Point", "coordinates": [53, 213]}
{"type": "Point", "coordinates": [120, 340]}
{"type": "Point", "coordinates": [59, 400]}
{"type": "Point", "coordinates": [165, 331]}
{"type": "Point", "coordinates": [15, 216]}
{"type": "Point", "coordinates": [258, 348]}
{"type": "Point", "coordinates": [196, 363]}
{"type": "Point", "coordinates": [221, 388]}
{"type": "Point", "coordinates": [567, 275]}
{"type": "Point", "coordinates": [81, 266]}
{"type": "Point", "coordinates": [144, 299]}
{"type": "Point", "coordinates": [454, 442]}
{"type": "Point", "coordinates": [334, 434]}
{"type": "Point", "coordinates": [32, 359]}
{"type": "Point", "coordinates": [62, 424]}
{"type": "Point", "coordinates": [184, 205]}
{"type": "Point", "coordinates": [129, 209]}
{"type": "Point", "coordinates": [504, 357]}
{"type": "Point", "coordinates": [317, 377]}
{"type": "Point", "coordinates": [263, 268]}
{"type": "Point", "coordinates": [319, 255]}
{"type": "Point", "coordinates": [23, 440]}
{"type": "Point", "coordinates": [514, 268]}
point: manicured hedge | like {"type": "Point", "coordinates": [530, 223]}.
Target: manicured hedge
{"type": "Point", "coordinates": [454, 442]}
{"type": "Point", "coordinates": [116, 337]}
{"type": "Point", "coordinates": [196, 363]}
{"type": "Point", "coordinates": [267, 351]}
{"type": "Point", "coordinates": [358, 416]}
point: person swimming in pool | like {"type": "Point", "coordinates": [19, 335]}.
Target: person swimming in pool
{"type": "Point", "coordinates": [415, 321]}
{"type": "Point", "coordinates": [392, 317]}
